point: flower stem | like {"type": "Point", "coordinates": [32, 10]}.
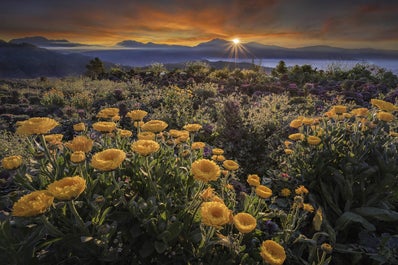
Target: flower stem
{"type": "Point", "coordinates": [50, 157]}
{"type": "Point", "coordinates": [77, 216]}
{"type": "Point", "coordinates": [51, 229]}
{"type": "Point", "coordinates": [122, 198]}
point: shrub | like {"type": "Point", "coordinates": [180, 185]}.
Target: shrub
{"type": "Point", "coordinates": [351, 170]}
{"type": "Point", "coordinates": [54, 97]}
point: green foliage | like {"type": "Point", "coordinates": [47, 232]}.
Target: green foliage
{"type": "Point", "coordinates": [280, 69]}
{"type": "Point", "coordinates": [12, 145]}
{"type": "Point", "coordinates": [95, 69]}
{"type": "Point", "coordinates": [197, 69]}
{"type": "Point", "coordinates": [176, 107]}
{"type": "Point", "coordinates": [147, 211]}
{"type": "Point", "coordinates": [352, 173]}
{"type": "Point", "coordinates": [54, 97]}
{"type": "Point", "coordinates": [303, 74]}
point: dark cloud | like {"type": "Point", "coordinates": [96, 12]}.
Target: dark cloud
{"type": "Point", "coordinates": [357, 23]}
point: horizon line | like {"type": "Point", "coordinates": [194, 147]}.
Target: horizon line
{"type": "Point", "coordinates": [242, 42]}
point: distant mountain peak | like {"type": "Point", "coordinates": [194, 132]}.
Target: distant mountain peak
{"type": "Point", "coordinates": [130, 43]}
{"type": "Point", "coordinates": [137, 44]}
{"type": "Point", "coordinates": [41, 41]}
{"type": "Point", "coordinates": [214, 43]}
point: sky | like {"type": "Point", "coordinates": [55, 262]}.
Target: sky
{"type": "Point", "coordinates": [287, 23]}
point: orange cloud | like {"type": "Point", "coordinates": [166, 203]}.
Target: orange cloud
{"type": "Point", "coordinates": [293, 23]}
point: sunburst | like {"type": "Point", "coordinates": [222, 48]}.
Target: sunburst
{"type": "Point", "coordinates": [236, 41]}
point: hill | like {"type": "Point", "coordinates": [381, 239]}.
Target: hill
{"type": "Point", "coordinates": [28, 61]}
{"type": "Point", "coordinates": [44, 42]}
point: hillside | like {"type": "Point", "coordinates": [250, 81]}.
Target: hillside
{"type": "Point", "coordinates": [28, 61]}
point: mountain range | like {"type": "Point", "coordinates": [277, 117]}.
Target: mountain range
{"type": "Point", "coordinates": [45, 57]}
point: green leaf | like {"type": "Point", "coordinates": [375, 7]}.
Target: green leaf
{"type": "Point", "coordinates": [377, 213]}
{"type": "Point", "coordinates": [348, 218]}
{"type": "Point", "coordinates": [103, 216]}
{"type": "Point", "coordinates": [175, 229]}
{"type": "Point", "coordinates": [165, 235]}
{"type": "Point", "coordinates": [146, 249]}
{"type": "Point", "coordinates": [328, 197]}
{"type": "Point", "coordinates": [160, 246]}
{"type": "Point", "coordinates": [369, 171]}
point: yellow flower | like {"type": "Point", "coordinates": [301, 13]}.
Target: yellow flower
{"type": "Point", "coordinates": [317, 220]}
{"type": "Point", "coordinates": [318, 131]}
{"type": "Point", "coordinates": [229, 186]}
{"type": "Point", "coordinates": [218, 158]}
{"type": "Point", "coordinates": [339, 109]}
{"type": "Point", "coordinates": [230, 165]}
{"type": "Point", "coordinates": [180, 136]}
{"type": "Point", "coordinates": [32, 204]}
{"type": "Point", "coordinates": [67, 188]}
{"type": "Point", "coordinates": [288, 151]}
{"type": "Point", "coordinates": [287, 143]}
{"type": "Point", "coordinates": [296, 123]}
{"type": "Point", "coordinates": [154, 126]}
{"type": "Point", "coordinates": [360, 112]}
{"type": "Point", "coordinates": [313, 140]}
{"type": "Point", "coordinates": [215, 214]}
{"type": "Point", "coordinates": [330, 114]}
{"type": "Point", "coordinates": [79, 127]}
{"type": "Point", "coordinates": [301, 190]}
{"type": "Point", "coordinates": [146, 136]}
{"type": "Point", "coordinates": [198, 145]}
{"type": "Point", "coordinates": [217, 151]}
{"type": "Point", "coordinates": [216, 198]}
{"type": "Point", "coordinates": [272, 252]}
{"type": "Point", "coordinates": [36, 125]}
{"type": "Point", "coordinates": [244, 222]}
{"type": "Point", "coordinates": [137, 115]}
{"type": "Point", "coordinates": [138, 124]}
{"type": "Point", "coordinates": [308, 121]}
{"type": "Point", "coordinates": [104, 126]}
{"type": "Point", "coordinates": [285, 192]}
{"type": "Point", "coordinates": [193, 127]}
{"type": "Point", "coordinates": [124, 133]}
{"type": "Point", "coordinates": [108, 159]}
{"type": "Point", "coordinates": [327, 248]}
{"type": "Point", "coordinates": [145, 147]}
{"type": "Point", "coordinates": [296, 136]}
{"type": "Point", "coordinates": [77, 157]}
{"type": "Point", "coordinates": [108, 113]}
{"type": "Point", "coordinates": [308, 207]}
{"type": "Point", "coordinates": [116, 118]}
{"type": "Point", "coordinates": [11, 162]}
{"type": "Point", "coordinates": [175, 133]}
{"type": "Point", "coordinates": [383, 105]}
{"type": "Point", "coordinates": [394, 134]}
{"type": "Point", "coordinates": [53, 138]}
{"type": "Point", "coordinates": [385, 116]}
{"type": "Point", "coordinates": [80, 143]}
{"type": "Point", "coordinates": [253, 180]}
{"type": "Point", "coordinates": [263, 191]}
{"type": "Point", "coordinates": [205, 170]}
{"type": "Point", "coordinates": [207, 194]}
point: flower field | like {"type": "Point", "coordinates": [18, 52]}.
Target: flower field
{"type": "Point", "coordinates": [201, 166]}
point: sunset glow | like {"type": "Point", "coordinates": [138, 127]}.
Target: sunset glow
{"type": "Point", "coordinates": [236, 41]}
{"type": "Point", "coordinates": [349, 24]}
